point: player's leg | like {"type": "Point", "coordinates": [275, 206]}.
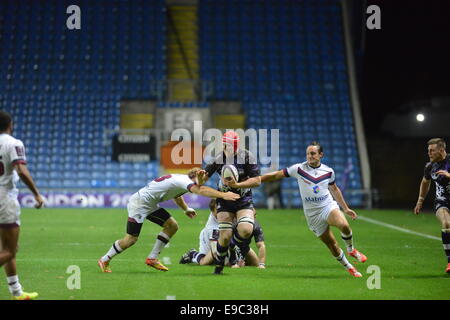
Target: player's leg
{"type": "Point", "coordinates": [443, 215]}
{"type": "Point", "coordinates": [204, 255]}
{"type": "Point", "coordinates": [170, 227]}
{"type": "Point", "coordinates": [9, 236]}
{"type": "Point", "coordinates": [204, 260]}
{"type": "Point", "coordinates": [194, 256]}
{"type": "Point", "coordinates": [12, 279]}
{"type": "Point", "coordinates": [118, 246]}
{"type": "Point", "coordinates": [330, 241]}
{"type": "Point", "coordinates": [10, 266]}
{"type": "Point", "coordinates": [136, 217]}
{"type": "Point", "coordinates": [9, 243]}
{"type": "Point", "coordinates": [337, 219]}
{"type": "Point", "coordinates": [225, 220]}
{"type": "Point", "coordinates": [245, 219]}
{"type": "Point", "coordinates": [242, 233]}
{"type": "Point", "coordinates": [9, 227]}
{"type": "Point", "coordinates": [189, 256]}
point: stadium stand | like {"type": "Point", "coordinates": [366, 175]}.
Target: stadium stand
{"type": "Point", "coordinates": [283, 59]}
{"type": "Point", "coordinates": [286, 61]}
{"type": "Point", "coordinates": [64, 87]}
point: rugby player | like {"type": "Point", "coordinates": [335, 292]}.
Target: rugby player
{"type": "Point", "coordinates": [318, 187]}
{"type": "Point", "coordinates": [241, 209]}
{"type": "Point", "coordinates": [144, 205]}
{"type": "Point", "coordinates": [437, 170]}
{"type": "Point", "coordinates": [12, 167]}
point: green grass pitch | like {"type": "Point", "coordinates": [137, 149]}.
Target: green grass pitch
{"type": "Point", "coordinates": [299, 266]}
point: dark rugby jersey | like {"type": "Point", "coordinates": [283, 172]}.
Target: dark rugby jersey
{"type": "Point", "coordinates": [246, 165]}
{"type": "Point", "coordinates": [442, 183]}
{"type": "Point", "coordinates": [258, 233]}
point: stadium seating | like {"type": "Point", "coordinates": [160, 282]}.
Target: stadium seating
{"type": "Point", "coordinates": [285, 61]}
{"type": "Point", "coordinates": [64, 87]}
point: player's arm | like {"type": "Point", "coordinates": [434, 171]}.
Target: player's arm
{"type": "Point", "coordinates": [181, 203]}
{"type": "Point", "coordinates": [272, 176]}
{"type": "Point", "coordinates": [211, 193]}
{"type": "Point", "coordinates": [337, 195]}
{"type": "Point", "coordinates": [183, 206]}
{"type": "Point", "coordinates": [261, 254]}
{"type": "Point", "coordinates": [249, 183]}
{"type": "Point", "coordinates": [423, 191]}
{"type": "Point", "coordinates": [25, 176]}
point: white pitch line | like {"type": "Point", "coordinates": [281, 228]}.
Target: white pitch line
{"type": "Point", "coordinates": [391, 226]}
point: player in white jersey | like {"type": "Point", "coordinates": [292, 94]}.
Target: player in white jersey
{"type": "Point", "coordinates": [318, 187]}
{"type": "Point", "coordinates": [12, 167]}
{"type": "Point", "coordinates": [209, 234]}
{"type": "Point", "coordinates": [144, 205]}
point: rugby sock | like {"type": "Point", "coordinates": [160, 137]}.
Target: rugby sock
{"type": "Point", "coordinates": [245, 248]}
{"type": "Point", "coordinates": [243, 244]}
{"type": "Point", "coordinates": [237, 239]}
{"type": "Point", "coordinates": [161, 240]}
{"type": "Point", "coordinates": [348, 239]}
{"type": "Point", "coordinates": [446, 242]}
{"type": "Point", "coordinates": [115, 249]}
{"type": "Point", "coordinates": [14, 285]}
{"type": "Point", "coordinates": [196, 257]}
{"type": "Point", "coordinates": [343, 260]}
{"type": "Point", "coordinates": [222, 252]}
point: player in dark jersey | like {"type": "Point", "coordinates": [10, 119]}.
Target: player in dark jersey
{"type": "Point", "coordinates": [437, 170]}
{"type": "Point", "coordinates": [241, 210]}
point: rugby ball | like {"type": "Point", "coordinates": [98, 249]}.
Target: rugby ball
{"type": "Point", "coordinates": [229, 171]}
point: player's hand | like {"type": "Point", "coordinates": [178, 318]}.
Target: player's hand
{"type": "Point", "coordinates": [417, 208]}
{"type": "Point", "coordinates": [202, 177]}
{"type": "Point", "coordinates": [231, 196]}
{"type": "Point", "coordinates": [351, 213]}
{"type": "Point", "coordinates": [39, 201]}
{"type": "Point", "coordinates": [190, 213]}
{"type": "Point", "coordinates": [261, 265]}
{"type": "Point", "coordinates": [443, 173]}
{"type": "Point", "coordinates": [230, 182]}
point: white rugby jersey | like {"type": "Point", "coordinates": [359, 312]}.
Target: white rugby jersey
{"type": "Point", "coordinates": [12, 151]}
{"type": "Point", "coordinates": [212, 222]}
{"type": "Point", "coordinates": [166, 188]}
{"type": "Point", "coordinates": [312, 183]}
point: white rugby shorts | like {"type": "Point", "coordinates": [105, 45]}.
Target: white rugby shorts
{"type": "Point", "coordinates": [138, 209]}
{"type": "Point", "coordinates": [317, 218]}
{"type": "Point", "coordinates": [9, 209]}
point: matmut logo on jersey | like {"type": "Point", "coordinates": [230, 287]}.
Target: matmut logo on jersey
{"type": "Point", "coordinates": [316, 189]}
{"type": "Point", "coordinates": [316, 199]}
